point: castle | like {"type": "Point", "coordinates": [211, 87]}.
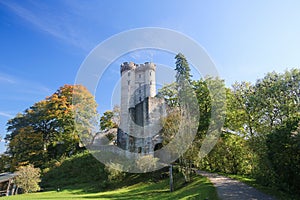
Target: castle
{"type": "Point", "coordinates": [141, 111]}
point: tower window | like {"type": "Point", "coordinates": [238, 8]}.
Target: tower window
{"type": "Point", "coordinates": [140, 91]}
{"type": "Point", "coordinates": [128, 82]}
{"type": "Point", "coordinates": [128, 73]}
{"type": "Point", "coordinates": [150, 82]}
{"type": "Point", "coordinates": [140, 98]}
{"type": "Point", "coordinates": [140, 150]}
{"type": "Point", "coordinates": [140, 75]}
{"type": "Point", "coordinates": [150, 73]}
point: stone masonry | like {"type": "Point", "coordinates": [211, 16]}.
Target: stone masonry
{"type": "Point", "coordinates": [141, 111]}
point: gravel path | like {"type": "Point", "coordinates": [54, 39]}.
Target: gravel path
{"type": "Point", "coordinates": [230, 189]}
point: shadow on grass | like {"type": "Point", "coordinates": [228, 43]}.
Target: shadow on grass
{"type": "Point", "coordinates": [199, 188]}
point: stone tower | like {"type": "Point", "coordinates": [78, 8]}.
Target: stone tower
{"type": "Point", "coordinates": [140, 109]}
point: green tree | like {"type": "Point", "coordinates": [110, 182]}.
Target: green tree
{"type": "Point", "coordinates": [5, 163]}
{"type": "Point", "coordinates": [284, 154]}
{"type": "Point", "coordinates": [106, 121]}
{"type": "Point", "coordinates": [204, 102]}
{"type": "Point", "coordinates": [231, 155]}
{"type": "Point", "coordinates": [27, 147]}
{"type": "Point", "coordinates": [182, 69]}
{"type": "Point", "coordinates": [109, 123]}
{"type": "Point", "coordinates": [188, 114]}
{"type": "Point", "coordinates": [260, 109]}
{"type": "Point", "coordinates": [28, 178]}
{"type": "Point", "coordinates": [278, 99]}
{"type": "Point", "coordinates": [170, 94]}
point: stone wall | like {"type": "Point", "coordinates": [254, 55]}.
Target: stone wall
{"type": "Point", "coordinates": [141, 111]}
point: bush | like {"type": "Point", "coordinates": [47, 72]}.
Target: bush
{"type": "Point", "coordinates": [147, 163]}
{"type": "Point", "coordinates": [28, 178]}
{"type": "Point", "coordinates": [115, 172]}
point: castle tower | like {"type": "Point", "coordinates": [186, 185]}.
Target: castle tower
{"type": "Point", "coordinates": [137, 83]}
{"type": "Point", "coordinates": [138, 106]}
{"type": "Point", "coordinates": [127, 90]}
{"type": "Point", "coordinates": [144, 82]}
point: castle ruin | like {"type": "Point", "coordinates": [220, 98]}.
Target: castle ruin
{"type": "Point", "coordinates": [141, 111]}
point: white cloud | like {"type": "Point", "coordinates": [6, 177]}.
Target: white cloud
{"type": "Point", "coordinates": [59, 26]}
{"type": "Point", "coordinates": [21, 89]}
{"type": "Point", "coordinates": [5, 114]}
{"type": "Point", "coordinates": [7, 79]}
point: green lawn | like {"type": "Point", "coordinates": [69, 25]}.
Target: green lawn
{"type": "Point", "coordinates": [199, 188]}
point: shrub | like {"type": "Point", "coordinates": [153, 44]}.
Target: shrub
{"type": "Point", "coordinates": [28, 178]}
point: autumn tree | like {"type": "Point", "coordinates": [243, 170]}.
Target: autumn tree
{"type": "Point", "coordinates": [47, 128]}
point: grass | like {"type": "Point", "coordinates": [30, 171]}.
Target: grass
{"type": "Point", "coordinates": [199, 188]}
{"type": "Point", "coordinates": [82, 177]}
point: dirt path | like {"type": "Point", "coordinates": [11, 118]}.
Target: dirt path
{"type": "Point", "coordinates": [230, 189]}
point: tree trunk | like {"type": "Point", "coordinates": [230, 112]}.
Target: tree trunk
{"type": "Point", "coordinates": [171, 178]}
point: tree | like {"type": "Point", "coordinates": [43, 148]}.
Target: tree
{"type": "Point", "coordinates": [188, 114]}
{"type": "Point", "coordinates": [170, 94]}
{"type": "Point", "coordinates": [261, 109]}
{"type": "Point", "coordinates": [182, 68]}
{"type": "Point", "coordinates": [278, 99]}
{"type": "Point", "coordinates": [109, 122]}
{"type": "Point", "coordinates": [5, 163]}
{"type": "Point", "coordinates": [283, 152]}
{"type": "Point", "coordinates": [27, 147]}
{"type": "Point", "coordinates": [51, 124]}
{"type": "Point", "coordinates": [106, 121]}
{"type": "Point", "coordinates": [204, 102]}
{"type": "Point", "coordinates": [231, 155]}
{"type": "Point", "coordinates": [28, 178]}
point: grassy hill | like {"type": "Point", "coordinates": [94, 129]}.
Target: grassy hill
{"type": "Point", "coordinates": [200, 188]}
{"type": "Point", "coordinates": [83, 177]}
{"type": "Point", "coordinates": [77, 172]}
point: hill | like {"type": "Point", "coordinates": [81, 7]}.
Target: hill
{"type": "Point", "coordinates": [83, 177]}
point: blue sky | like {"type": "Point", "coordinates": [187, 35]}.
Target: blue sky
{"type": "Point", "coordinates": [43, 43]}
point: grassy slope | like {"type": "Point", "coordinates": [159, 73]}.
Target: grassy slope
{"type": "Point", "coordinates": [200, 188]}
{"type": "Point", "coordinates": [83, 177]}
{"type": "Point", "coordinates": [77, 172]}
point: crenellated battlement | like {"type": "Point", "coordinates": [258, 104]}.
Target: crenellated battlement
{"type": "Point", "coordinates": [127, 66]}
